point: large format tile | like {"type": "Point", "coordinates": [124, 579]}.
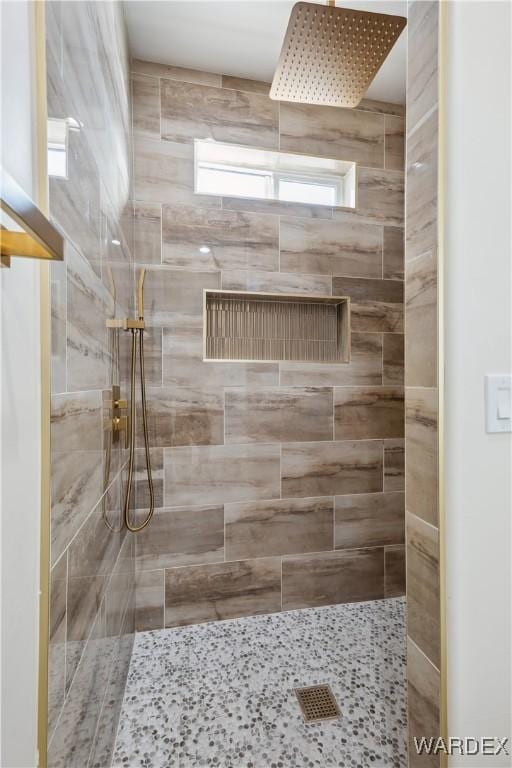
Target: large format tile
{"type": "Point", "coordinates": [222, 591]}
{"type": "Point", "coordinates": [183, 366]}
{"type": "Point", "coordinates": [181, 536]}
{"type": "Point", "coordinates": [394, 145]}
{"type": "Point", "coordinates": [220, 474]}
{"type": "Point", "coordinates": [369, 520]}
{"type": "Point", "coordinates": [149, 600]}
{"type": "Point", "coordinates": [170, 72]}
{"type": "Point", "coordinates": [184, 416]}
{"type": "Point", "coordinates": [423, 623]}
{"type": "Point", "coordinates": [394, 465]}
{"type": "Point", "coordinates": [173, 295]}
{"type": "Point", "coordinates": [380, 196]}
{"type": "Point", "coordinates": [244, 84]}
{"type": "Point", "coordinates": [236, 240]}
{"type": "Point", "coordinates": [393, 253]}
{"type": "Point", "coordinates": [394, 570]}
{"type": "Point", "coordinates": [364, 368]}
{"type": "Point", "coordinates": [140, 478]}
{"type": "Point", "coordinates": [77, 455]}
{"type": "Point", "coordinates": [313, 246]}
{"type": "Point", "coordinates": [393, 359]}
{"type": "Point", "coordinates": [421, 320]}
{"type": "Point", "coordinates": [280, 527]}
{"type": "Point", "coordinates": [147, 230]}
{"type": "Point", "coordinates": [57, 642]}
{"type": "Point", "coordinates": [204, 112]}
{"type": "Point", "coordinates": [277, 207]}
{"type": "Point", "coordinates": [278, 415]}
{"type": "Point", "coordinates": [343, 134]}
{"type": "Point", "coordinates": [421, 407]}
{"type": "Point", "coordinates": [368, 413]}
{"type": "Point", "coordinates": [333, 577]}
{"type": "Point", "coordinates": [376, 305]}
{"type": "Point", "coordinates": [276, 282]}
{"type": "Point", "coordinates": [422, 75]}
{"type": "Point", "coordinates": [423, 694]}
{"type": "Point", "coordinates": [164, 173]}
{"type": "Point", "coordinates": [328, 469]}
{"type": "Point", "coordinates": [421, 214]}
{"type": "Point", "coordinates": [146, 105]}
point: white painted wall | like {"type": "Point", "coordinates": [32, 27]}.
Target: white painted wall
{"type": "Point", "coordinates": [20, 412]}
{"type": "Point", "coordinates": [477, 305]}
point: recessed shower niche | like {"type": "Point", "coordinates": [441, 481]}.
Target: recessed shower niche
{"type": "Point", "coordinates": [272, 327]}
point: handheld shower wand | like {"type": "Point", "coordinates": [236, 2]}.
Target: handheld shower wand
{"type": "Point", "coordinates": [136, 328]}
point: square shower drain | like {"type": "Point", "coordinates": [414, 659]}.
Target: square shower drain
{"type": "Point", "coordinates": [317, 702]}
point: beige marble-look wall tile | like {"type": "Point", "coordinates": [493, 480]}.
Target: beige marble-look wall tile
{"type": "Point", "coordinates": [279, 527]}
{"type": "Point", "coordinates": [328, 469]}
{"type": "Point", "coordinates": [385, 107]}
{"type": "Point", "coordinates": [140, 478]}
{"type": "Point", "coordinates": [369, 520]}
{"type": "Point", "coordinates": [181, 536]}
{"type": "Point", "coordinates": [277, 207]}
{"type": "Point", "coordinates": [333, 132]}
{"type": "Point", "coordinates": [89, 304]}
{"type": "Point", "coordinates": [368, 412]}
{"type": "Point", "coordinates": [175, 73]}
{"type": "Point", "coordinates": [184, 365]}
{"type": "Point", "coordinates": [276, 282]}
{"type": "Point", "coordinates": [147, 233]}
{"type": "Point", "coordinates": [376, 305]}
{"type": "Point", "coordinates": [394, 144]}
{"type": "Point", "coordinates": [174, 295]}
{"type": "Point", "coordinates": [221, 474]}
{"type": "Point", "coordinates": [393, 253]}
{"type": "Point", "coordinates": [330, 247]}
{"type": "Point", "coordinates": [423, 611]}
{"type": "Point", "coordinates": [119, 594]}
{"type": "Point", "coordinates": [235, 239]}
{"type": "Point", "coordinates": [152, 358]}
{"type": "Point", "coordinates": [393, 359]}
{"type": "Point", "coordinates": [91, 559]}
{"type": "Point", "coordinates": [333, 577]}
{"type": "Point", "coordinates": [222, 591]}
{"type": "Point", "coordinates": [423, 695]}
{"type": "Point", "coordinates": [421, 320]}
{"type": "Point", "coordinates": [76, 456]}
{"type": "Point", "coordinates": [394, 571]}
{"type": "Point", "coordinates": [149, 605]}
{"type": "Point", "coordinates": [394, 465]}
{"type": "Point", "coordinates": [422, 32]}
{"type": "Point", "coordinates": [422, 456]}
{"type": "Point", "coordinates": [192, 112]}
{"type": "Point", "coordinates": [244, 84]}
{"type": "Point", "coordinates": [380, 196]}
{"type": "Point", "coordinates": [278, 415]}
{"type": "Point", "coordinates": [164, 173]}
{"type": "Point", "coordinates": [365, 367]}
{"type": "Point", "coordinates": [422, 159]}
{"type": "Point", "coordinates": [146, 105]}
{"type": "Point", "coordinates": [57, 642]}
{"type": "Point", "coordinates": [58, 289]}
{"type": "Point", "coordinates": [184, 416]}
{"type": "Point", "coordinates": [74, 734]}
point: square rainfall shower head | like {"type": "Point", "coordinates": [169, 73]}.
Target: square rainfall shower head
{"type": "Point", "coordinates": [331, 55]}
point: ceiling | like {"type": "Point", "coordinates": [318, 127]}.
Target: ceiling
{"type": "Point", "coordinates": [241, 37]}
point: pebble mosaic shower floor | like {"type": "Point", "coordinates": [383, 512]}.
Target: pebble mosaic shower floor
{"type": "Point", "coordinates": [222, 694]}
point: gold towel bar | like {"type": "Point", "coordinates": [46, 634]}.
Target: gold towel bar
{"type": "Point", "coordinates": [39, 238]}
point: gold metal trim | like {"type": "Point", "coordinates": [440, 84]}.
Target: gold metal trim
{"type": "Point", "coordinates": [45, 331]}
{"type": "Point", "coordinates": [443, 672]}
{"type": "Point", "coordinates": [39, 239]}
{"type": "Point", "coordinates": [331, 55]}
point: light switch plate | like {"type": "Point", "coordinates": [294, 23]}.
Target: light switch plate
{"type": "Point", "coordinates": [498, 403]}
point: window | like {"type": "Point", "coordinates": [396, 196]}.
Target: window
{"type": "Point", "coordinates": [57, 148]}
{"type": "Point", "coordinates": [234, 171]}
